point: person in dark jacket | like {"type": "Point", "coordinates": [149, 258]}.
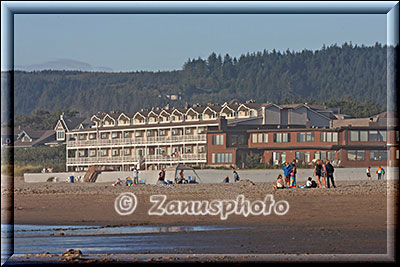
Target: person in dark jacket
{"type": "Point", "coordinates": [329, 173]}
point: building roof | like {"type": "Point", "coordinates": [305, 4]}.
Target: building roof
{"type": "Point", "coordinates": [38, 137]}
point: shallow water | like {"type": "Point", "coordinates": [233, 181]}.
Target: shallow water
{"type": "Point", "coordinates": [107, 240]}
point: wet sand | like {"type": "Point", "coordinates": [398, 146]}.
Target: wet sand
{"type": "Point", "coordinates": [349, 219]}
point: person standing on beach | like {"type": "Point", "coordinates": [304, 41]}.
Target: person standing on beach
{"type": "Point", "coordinates": [329, 173]}
{"type": "Point", "coordinates": [379, 171]}
{"type": "Point", "coordinates": [369, 173]}
{"type": "Point", "coordinates": [135, 176]}
{"type": "Point", "coordinates": [318, 173]}
{"type": "Point", "coordinates": [286, 172]}
{"type": "Point", "coordinates": [236, 176]}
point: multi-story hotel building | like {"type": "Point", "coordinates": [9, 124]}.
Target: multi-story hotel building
{"type": "Point", "coordinates": [165, 136]}
{"type": "Point", "coordinates": [223, 135]}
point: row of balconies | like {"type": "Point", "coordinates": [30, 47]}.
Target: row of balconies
{"type": "Point", "coordinates": [135, 159]}
{"type": "Point", "coordinates": [159, 140]}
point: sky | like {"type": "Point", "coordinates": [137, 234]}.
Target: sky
{"type": "Point", "coordinates": [151, 42]}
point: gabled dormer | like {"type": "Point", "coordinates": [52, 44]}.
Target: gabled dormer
{"type": "Point", "coordinates": [227, 112]}
{"type": "Point", "coordinates": [192, 115]}
{"type": "Point", "coordinates": [123, 119]}
{"type": "Point", "coordinates": [109, 121]}
{"type": "Point", "coordinates": [152, 117]}
{"type": "Point", "coordinates": [177, 115]}
{"type": "Point", "coordinates": [140, 117]}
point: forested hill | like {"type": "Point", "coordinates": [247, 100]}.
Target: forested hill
{"type": "Point", "coordinates": [281, 77]}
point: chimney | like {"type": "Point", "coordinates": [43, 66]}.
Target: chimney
{"type": "Point", "coordinates": [222, 123]}
{"type": "Point", "coordinates": [186, 106]}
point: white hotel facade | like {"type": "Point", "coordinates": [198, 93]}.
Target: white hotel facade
{"type": "Point", "coordinates": [149, 139]}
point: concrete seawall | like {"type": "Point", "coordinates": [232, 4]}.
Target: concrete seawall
{"type": "Point", "coordinates": [216, 176]}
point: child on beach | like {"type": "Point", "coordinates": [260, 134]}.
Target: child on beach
{"type": "Point", "coordinates": [128, 181]}
{"type": "Point", "coordinates": [118, 182]}
{"type": "Point", "coordinates": [292, 178]}
{"type": "Point", "coordinates": [279, 183]}
{"type": "Point", "coordinates": [226, 180]}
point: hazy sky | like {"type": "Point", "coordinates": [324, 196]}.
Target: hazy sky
{"type": "Point", "coordinates": [164, 42]}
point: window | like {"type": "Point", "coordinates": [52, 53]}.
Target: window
{"type": "Point", "coordinates": [356, 155]}
{"type": "Point", "coordinates": [103, 153]}
{"type": "Point", "coordinates": [201, 149]}
{"type": "Point", "coordinates": [83, 153]}
{"type": "Point", "coordinates": [161, 132]}
{"type": "Point", "coordinates": [60, 135]}
{"type": "Point", "coordinates": [126, 134]}
{"type": "Point", "coordinates": [174, 132]}
{"type": "Point", "coordinates": [330, 155]}
{"type": "Point", "coordinates": [234, 140]}
{"type": "Point", "coordinates": [200, 130]}
{"type": "Point", "coordinates": [354, 136]}
{"type": "Point", "coordinates": [188, 131]}
{"type": "Point", "coordinates": [138, 134]}
{"type": "Point", "coordinates": [222, 158]}
{"type": "Point", "coordinates": [81, 137]}
{"type": "Point", "coordinates": [92, 153]}
{"type": "Point", "coordinates": [397, 136]}
{"type": "Point", "coordinates": [103, 136]}
{"type": "Point", "coordinates": [218, 139]}
{"type": "Point", "coordinates": [281, 137]}
{"type": "Point", "coordinates": [397, 154]}
{"type": "Point", "coordinates": [115, 152]}
{"type": "Point", "coordinates": [373, 136]}
{"type": "Point", "coordinates": [382, 136]}
{"type": "Point", "coordinates": [305, 137]}
{"type": "Point", "coordinates": [363, 136]}
{"type": "Point", "coordinates": [126, 152]}
{"type": "Point", "coordinates": [329, 137]}
{"type": "Point", "coordinates": [377, 136]}
{"type": "Point", "coordinates": [92, 136]}
{"type": "Point", "coordinates": [188, 150]}
{"type": "Point", "coordinates": [378, 155]}
{"type": "Point", "coordinates": [114, 135]}
{"type": "Point", "coordinates": [148, 133]}
{"type": "Point", "coordinates": [254, 138]}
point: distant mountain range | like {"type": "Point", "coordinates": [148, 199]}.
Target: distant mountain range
{"type": "Point", "coordinates": [62, 64]}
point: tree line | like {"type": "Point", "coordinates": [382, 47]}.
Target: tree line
{"type": "Point", "coordinates": [353, 77]}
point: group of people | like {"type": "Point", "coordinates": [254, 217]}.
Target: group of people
{"type": "Point", "coordinates": [128, 180]}
{"type": "Point", "coordinates": [380, 172]}
{"type": "Point", "coordinates": [47, 170]}
{"type": "Point", "coordinates": [236, 178]}
{"type": "Point", "coordinates": [322, 171]}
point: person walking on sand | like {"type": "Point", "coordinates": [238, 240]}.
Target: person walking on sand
{"type": "Point", "coordinates": [318, 173]}
{"type": "Point", "coordinates": [329, 173]}
{"type": "Point", "coordinates": [369, 173]}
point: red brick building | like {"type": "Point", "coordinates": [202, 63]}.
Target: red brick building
{"type": "Point", "coordinates": [374, 143]}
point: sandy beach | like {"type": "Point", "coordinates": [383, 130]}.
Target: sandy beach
{"type": "Point", "coordinates": [349, 219]}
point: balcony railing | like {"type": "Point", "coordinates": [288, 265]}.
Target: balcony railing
{"type": "Point", "coordinates": [134, 159]}
{"type": "Point", "coordinates": [138, 141]}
